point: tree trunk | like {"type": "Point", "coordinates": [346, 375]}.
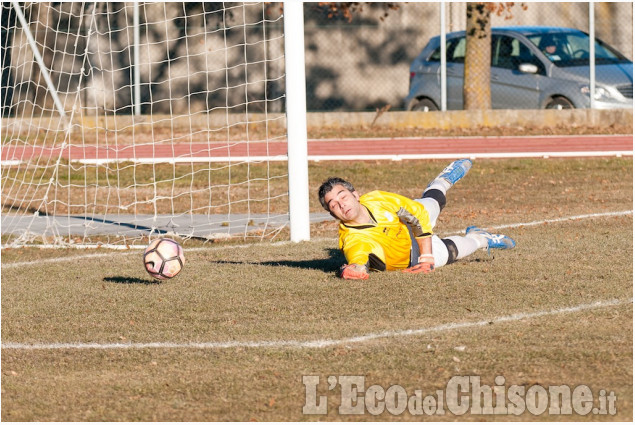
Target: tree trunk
{"type": "Point", "coordinates": [476, 83]}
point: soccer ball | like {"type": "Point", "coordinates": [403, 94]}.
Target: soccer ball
{"type": "Point", "coordinates": [163, 258]}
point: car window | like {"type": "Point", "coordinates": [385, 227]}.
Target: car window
{"type": "Point", "coordinates": [504, 51]}
{"type": "Point", "coordinates": [436, 55]}
{"type": "Point", "coordinates": [455, 51]}
{"type": "Point", "coordinates": [572, 49]}
{"type": "Point", "coordinates": [509, 53]}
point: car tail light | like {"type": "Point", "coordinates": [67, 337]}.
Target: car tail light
{"type": "Point", "coordinates": [412, 75]}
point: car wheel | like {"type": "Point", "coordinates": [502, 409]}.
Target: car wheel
{"type": "Point", "coordinates": [559, 103]}
{"type": "Point", "coordinates": [424, 105]}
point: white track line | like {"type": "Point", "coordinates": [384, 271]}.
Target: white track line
{"type": "Point", "coordinates": [489, 155]}
{"type": "Point", "coordinates": [319, 343]}
{"type": "Point", "coordinates": [356, 157]}
{"type": "Point", "coordinates": [208, 249]}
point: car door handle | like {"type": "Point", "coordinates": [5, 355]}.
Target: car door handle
{"type": "Point", "coordinates": [494, 77]}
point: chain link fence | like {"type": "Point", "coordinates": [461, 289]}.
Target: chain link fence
{"type": "Point", "coordinates": [361, 65]}
{"type": "Point", "coordinates": [364, 64]}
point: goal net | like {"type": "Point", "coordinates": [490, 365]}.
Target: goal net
{"type": "Point", "coordinates": [125, 121]}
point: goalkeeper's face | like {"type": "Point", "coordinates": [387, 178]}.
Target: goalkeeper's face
{"type": "Point", "coordinates": [344, 205]}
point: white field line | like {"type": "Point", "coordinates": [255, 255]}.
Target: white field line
{"type": "Point", "coordinates": [225, 248]}
{"type": "Point", "coordinates": [559, 220]}
{"type": "Point", "coordinates": [556, 220]}
{"type": "Point", "coordinates": [134, 250]}
{"type": "Point", "coordinates": [319, 343]}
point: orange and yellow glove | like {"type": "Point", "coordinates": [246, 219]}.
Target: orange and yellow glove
{"type": "Point", "coordinates": [425, 265]}
{"type": "Point", "coordinates": [354, 271]}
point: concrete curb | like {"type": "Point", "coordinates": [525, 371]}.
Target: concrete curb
{"type": "Point", "coordinates": [475, 119]}
{"type": "Point", "coordinates": [449, 120]}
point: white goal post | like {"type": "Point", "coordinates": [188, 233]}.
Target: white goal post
{"type": "Point", "coordinates": [122, 122]}
{"type": "Point", "coordinates": [296, 121]}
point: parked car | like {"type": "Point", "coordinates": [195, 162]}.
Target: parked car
{"type": "Point", "coordinates": [531, 68]}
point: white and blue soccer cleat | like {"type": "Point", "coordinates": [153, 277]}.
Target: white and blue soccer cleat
{"type": "Point", "coordinates": [493, 241]}
{"type": "Point", "coordinates": [455, 171]}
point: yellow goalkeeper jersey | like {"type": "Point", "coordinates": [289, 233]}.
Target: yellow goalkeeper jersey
{"type": "Point", "coordinates": [386, 243]}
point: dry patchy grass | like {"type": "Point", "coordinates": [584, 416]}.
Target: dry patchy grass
{"type": "Point", "coordinates": [495, 191]}
{"type": "Point", "coordinates": [290, 292]}
{"type": "Point", "coordinates": [273, 292]}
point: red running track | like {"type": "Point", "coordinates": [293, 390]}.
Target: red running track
{"type": "Point", "coordinates": [342, 149]}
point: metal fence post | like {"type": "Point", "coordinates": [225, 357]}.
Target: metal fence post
{"type": "Point", "coordinates": [136, 58]}
{"type": "Point", "coordinates": [591, 55]}
{"type": "Point", "coordinates": [444, 81]}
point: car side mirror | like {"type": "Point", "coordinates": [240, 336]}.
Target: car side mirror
{"type": "Point", "coordinates": [528, 68]}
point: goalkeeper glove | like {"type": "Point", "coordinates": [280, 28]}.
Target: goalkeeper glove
{"type": "Point", "coordinates": [354, 271]}
{"type": "Point", "coordinates": [425, 265]}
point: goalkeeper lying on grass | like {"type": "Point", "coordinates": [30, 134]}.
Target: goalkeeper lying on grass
{"type": "Point", "coordinates": [385, 231]}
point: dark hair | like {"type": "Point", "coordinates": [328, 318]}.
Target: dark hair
{"type": "Point", "coordinates": [328, 185]}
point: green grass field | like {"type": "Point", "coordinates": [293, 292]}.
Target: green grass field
{"type": "Point", "coordinates": [232, 336]}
